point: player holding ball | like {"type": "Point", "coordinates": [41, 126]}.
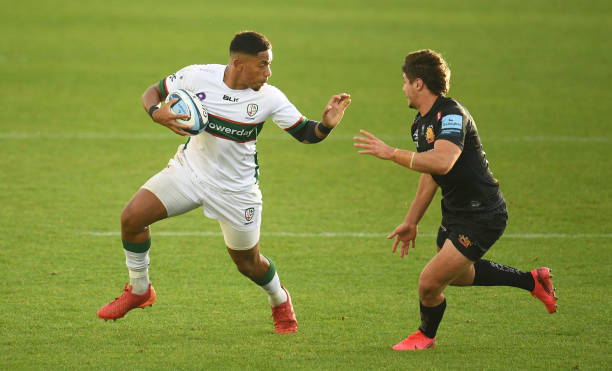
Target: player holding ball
{"type": "Point", "coordinates": [217, 169]}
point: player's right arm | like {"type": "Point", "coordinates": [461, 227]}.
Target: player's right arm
{"type": "Point", "coordinates": [151, 100]}
{"type": "Point", "coordinates": [313, 131]}
{"type": "Point", "coordinates": [406, 232]}
{"type": "Point", "coordinates": [288, 118]}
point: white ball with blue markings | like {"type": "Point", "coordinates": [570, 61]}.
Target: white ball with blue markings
{"type": "Point", "coordinates": [189, 104]}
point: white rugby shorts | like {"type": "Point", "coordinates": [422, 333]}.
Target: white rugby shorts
{"type": "Point", "coordinates": [238, 213]}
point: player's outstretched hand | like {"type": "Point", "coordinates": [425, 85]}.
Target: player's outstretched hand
{"type": "Point", "coordinates": [334, 110]}
{"type": "Point", "coordinates": [164, 116]}
{"type": "Point", "coordinates": [373, 146]}
{"type": "Point", "coordinates": [404, 233]}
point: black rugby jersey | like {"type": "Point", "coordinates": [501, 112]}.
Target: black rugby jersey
{"type": "Point", "coordinates": [469, 185]}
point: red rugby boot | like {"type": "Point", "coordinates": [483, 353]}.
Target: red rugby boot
{"type": "Point", "coordinates": [284, 317]}
{"type": "Point", "coordinates": [544, 289]}
{"type": "Point", "coordinates": [416, 341]}
{"type": "Point", "coordinates": [126, 302]}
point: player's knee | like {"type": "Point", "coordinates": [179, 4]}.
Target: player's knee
{"type": "Point", "coordinates": [428, 289]}
{"type": "Point", "coordinates": [129, 221]}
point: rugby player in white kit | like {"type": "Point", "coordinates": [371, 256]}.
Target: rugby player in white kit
{"type": "Point", "coordinates": [218, 169]}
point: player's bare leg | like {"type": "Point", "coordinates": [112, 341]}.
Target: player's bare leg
{"type": "Point", "coordinates": [465, 278]}
{"type": "Point", "coordinates": [262, 271]}
{"type": "Point", "coordinates": [140, 212]}
{"type": "Point", "coordinates": [447, 266]}
{"type": "Point", "coordinates": [250, 262]}
{"type": "Point", "coordinates": [444, 268]}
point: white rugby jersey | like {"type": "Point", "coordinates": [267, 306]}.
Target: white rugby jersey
{"type": "Point", "coordinates": [224, 155]}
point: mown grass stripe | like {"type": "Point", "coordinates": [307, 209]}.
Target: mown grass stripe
{"type": "Point", "coordinates": [359, 234]}
{"type": "Point", "coordinates": [335, 136]}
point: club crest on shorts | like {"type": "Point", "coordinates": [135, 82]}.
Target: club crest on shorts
{"type": "Point", "coordinates": [252, 109]}
{"type": "Point", "coordinates": [249, 213]}
{"type": "Point", "coordinates": [464, 240]}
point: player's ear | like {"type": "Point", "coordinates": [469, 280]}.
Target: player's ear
{"type": "Point", "coordinates": [419, 83]}
{"type": "Point", "coordinates": [236, 62]}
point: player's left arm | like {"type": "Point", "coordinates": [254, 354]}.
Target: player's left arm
{"type": "Point", "coordinates": [151, 100]}
{"type": "Point", "coordinates": [314, 131]}
{"type": "Point", "coordinates": [438, 161]}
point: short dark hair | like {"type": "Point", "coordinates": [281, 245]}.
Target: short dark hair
{"type": "Point", "coordinates": [249, 42]}
{"type": "Point", "coordinates": [430, 67]}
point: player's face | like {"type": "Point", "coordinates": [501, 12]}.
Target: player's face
{"type": "Point", "coordinates": [257, 69]}
{"type": "Point", "coordinates": [410, 89]}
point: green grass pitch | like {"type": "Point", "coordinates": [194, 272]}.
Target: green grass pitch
{"type": "Point", "coordinates": [76, 145]}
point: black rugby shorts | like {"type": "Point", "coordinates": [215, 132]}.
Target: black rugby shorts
{"type": "Point", "coordinates": [473, 233]}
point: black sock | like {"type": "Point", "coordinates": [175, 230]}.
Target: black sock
{"type": "Point", "coordinates": [488, 273]}
{"type": "Point", "coordinates": [430, 318]}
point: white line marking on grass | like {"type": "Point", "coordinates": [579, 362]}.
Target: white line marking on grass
{"type": "Point", "coordinates": [363, 234]}
{"type": "Point", "coordinates": [346, 137]}
{"type": "Point", "coordinates": [97, 136]}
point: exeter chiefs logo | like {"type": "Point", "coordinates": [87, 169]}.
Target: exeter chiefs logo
{"type": "Point", "coordinates": [252, 109]}
{"type": "Point", "coordinates": [464, 240]}
{"type": "Point", "coordinates": [249, 213]}
{"type": "Point", "coordinates": [430, 134]}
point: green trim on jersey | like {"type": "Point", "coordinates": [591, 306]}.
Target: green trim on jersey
{"type": "Point", "coordinates": [237, 132]}
{"type": "Point", "coordinates": [162, 88]}
{"type": "Point", "coordinates": [256, 168]}
{"type": "Point", "coordinates": [269, 274]}
{"type": "Point", "coordinates": [138, 247]}
{"type": "Point", "coordinates": [298, 126]}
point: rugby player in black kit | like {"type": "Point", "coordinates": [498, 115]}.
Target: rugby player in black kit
{"type": "Point", "coordinates": [450, 156]}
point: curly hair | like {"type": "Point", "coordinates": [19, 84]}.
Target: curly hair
{"type": "Point", "coordinates": [430, 67]}
{"type": "Point", "coordinates": [249, 42]}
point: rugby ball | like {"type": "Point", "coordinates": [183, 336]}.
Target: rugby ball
{"type": "Point", "coordinates": [189, 104]}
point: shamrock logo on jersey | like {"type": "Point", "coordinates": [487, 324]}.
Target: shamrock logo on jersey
{"type": "Point", "coordinates": [252, 109]}
{"type": "Point", "coordinates": [249, 213]}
